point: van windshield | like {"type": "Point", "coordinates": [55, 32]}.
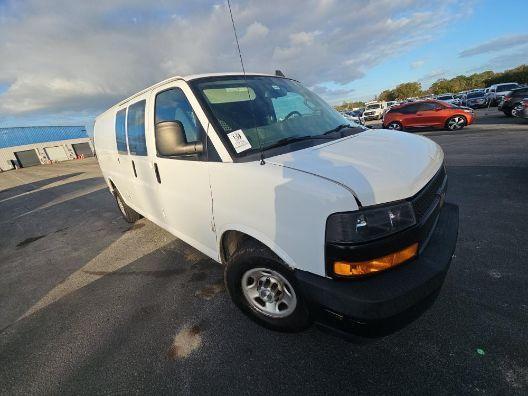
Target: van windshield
{"type": "Point", "coordinates": [373, 106]}
{"type": "Point", "coordinates": [267, 110]}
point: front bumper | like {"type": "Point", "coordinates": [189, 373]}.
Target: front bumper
{"type": "Point", "coordinates": [387, 294]}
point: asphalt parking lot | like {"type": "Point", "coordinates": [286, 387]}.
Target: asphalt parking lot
{"type": "Point", "coordinates": [90, 304]}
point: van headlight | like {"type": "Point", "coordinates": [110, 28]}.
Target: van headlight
{"type": "Point", "coordinates": [369, 224]}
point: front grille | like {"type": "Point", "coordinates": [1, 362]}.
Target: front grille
{"type": "Point", "coordinates": [429, 196]}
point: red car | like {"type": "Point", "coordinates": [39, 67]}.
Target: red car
{"type": "Point", "coordinates": [428, 114]}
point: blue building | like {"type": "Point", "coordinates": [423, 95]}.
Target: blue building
{"type": "Point", "coordinates": [29, 146]}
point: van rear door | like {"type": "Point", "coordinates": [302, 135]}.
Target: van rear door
{"type": "Point", "coordinates": [122, 174]}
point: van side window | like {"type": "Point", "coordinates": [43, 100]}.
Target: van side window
{"type": "Point", "coordinates": [172, 105]}
{"type": "Point", "coordinates": [120, 132]}
{"type": "Point", "coordinates": [136, 129]}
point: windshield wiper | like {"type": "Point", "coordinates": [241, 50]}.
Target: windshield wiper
{"type": "Point", "coordinates": [294, 139]}
{"type": "Point", "coordinates": [338, 128]}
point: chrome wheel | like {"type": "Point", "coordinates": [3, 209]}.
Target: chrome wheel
{"type": "Point", "coordinates": [395, 125]}
{"type": "Point", "coordinates": [456, 123]}
{"type": "Point", "coordinates": [268, 292]}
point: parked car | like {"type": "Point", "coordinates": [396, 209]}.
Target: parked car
{"type": "Point", "coordinates": [428, 114]}
{"type": "Point", "coordinates": [462, 98]}
{"type": "Point", "coordinates": [511, 99]}
{"type": "Point", "coordinates": [476, 99]}
{"type": "Point", "coordinates": [305, 212]}
{"type": "Point", "coordinates": [390, 104]}
{"type": "Point", "coordinates": [449, 98]}
{"type": "Point", "coordinates": [355, 116]}
{"type": "Point", "coordinates": [374, 110]}
{"type": "Point", "coordinates": [497, 91]}
{"type": "Point", "coordinates": [521, 110]}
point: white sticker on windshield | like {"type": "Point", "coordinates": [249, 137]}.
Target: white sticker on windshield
{"type": "Point", "coordinates": [239, 141]}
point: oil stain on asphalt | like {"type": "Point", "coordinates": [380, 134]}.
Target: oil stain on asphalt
{"type": "Point", "coordinates": [185, 342]}
{"type": "Point", "coordinates": [210, 291]}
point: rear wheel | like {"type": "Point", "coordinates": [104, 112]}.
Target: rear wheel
{"type": "Point", "coordinates": [456, 123]}
{"type": "Point", "coordinates": [129, 214]}
{"type": "Point", "coordinates": [264, 289]}
{"type": "Point", "coordinates": [395, 125]}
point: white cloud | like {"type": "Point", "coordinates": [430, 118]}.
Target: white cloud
{"type": "Point", "coordinates": [433, 76]}
{"type": "Point", "coordinates": [498, 44]}
{"type": "Point", "coordinates": [254, 32]}
{"type": "Point", "coordinates": [417, 64]}
{"type": "Point", "coordinates": [333, 95]}
{"type": "Point", "coordinates": [303, 38]}
{"type": "Point", "coordinates": [62, 57]}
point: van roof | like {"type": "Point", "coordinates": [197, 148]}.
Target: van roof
{"type": "Point", "coordinates": [189, 77]}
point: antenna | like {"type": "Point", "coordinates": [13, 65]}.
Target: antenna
{"type": "Point", "coordinates": [236, 37]}
{"type": "Point", "coordinates": [262, 162]}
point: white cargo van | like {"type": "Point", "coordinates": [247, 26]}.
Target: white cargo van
{"type": "Point", "coordinates": [313, 218]}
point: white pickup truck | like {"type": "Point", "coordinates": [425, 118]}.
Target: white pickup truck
{"type": "Point", "coordinates": [374, 110]}
{"type": "Point", "coordinates": [313, 218]}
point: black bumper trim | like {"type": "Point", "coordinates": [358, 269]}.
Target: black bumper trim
{"type": "Point", "coordinates": [387, 294]}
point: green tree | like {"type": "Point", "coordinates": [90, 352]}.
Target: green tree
{"type": "Point", "coordinates": [408, 90]}
{"type": "Point", "coordinates": [387, 95]}
{"type": "Point", "coordinates": [347, 106]}
{"type": "Point", "coordinates": [518, 74]}
{"type": "Point", "coordinates": [441, 86]}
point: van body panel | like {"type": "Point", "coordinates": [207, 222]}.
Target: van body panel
{"type": "Point", "coordinates": [378, 165]}
{"type": "Point", "coordinates": [281, 207]}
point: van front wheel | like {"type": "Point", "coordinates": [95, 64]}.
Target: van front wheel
{"type": "Point", "coordinates": [129, 214]}
{"type": "Point", "coordinates": [265, 290]}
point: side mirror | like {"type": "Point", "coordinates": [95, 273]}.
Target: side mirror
{"type": "Point", "coordinates": [438, 108]}
{"type": "Point", "coordinates": [171, 140]}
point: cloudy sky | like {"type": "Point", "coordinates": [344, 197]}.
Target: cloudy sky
{"type": "Point", "coordinates": [65, 61]}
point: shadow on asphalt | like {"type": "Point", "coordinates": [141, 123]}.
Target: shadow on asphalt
{"type": "Point", "coordinates": [25, 188]}
{"type": "Point", "coordinates": [20, 204]}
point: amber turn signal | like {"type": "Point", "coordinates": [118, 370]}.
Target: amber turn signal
{"type": "Point", "coordinates": [345, 268]}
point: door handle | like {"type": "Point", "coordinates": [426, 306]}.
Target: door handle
{"type": "Point", "coordinates": [156, 171]}
{"type": "Point", "coordinates": [134, 168]}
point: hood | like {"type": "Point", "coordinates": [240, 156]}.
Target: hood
{"type": "Point", "coordinates": [377, 165]}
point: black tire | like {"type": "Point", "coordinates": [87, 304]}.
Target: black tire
{"type": "Point", "coordinates": [129, 214]}
{"type": "Point", "coordinates": [459, 125]}
{"type": "Point", "coordinates": [395, 125]}
{"type": "Point", "coordinates": [507, 112]}
{"type": "Point", "coordinates": [252, 256]}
